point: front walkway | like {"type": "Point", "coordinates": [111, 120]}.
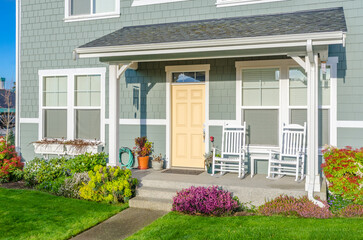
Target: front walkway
{"type": "Point", "coordinates": [122, 225]}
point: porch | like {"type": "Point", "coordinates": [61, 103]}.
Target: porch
{"type": "Point", "coordinates": [156, 189]}
{"type": "Point", "coordinates": [296, 41]}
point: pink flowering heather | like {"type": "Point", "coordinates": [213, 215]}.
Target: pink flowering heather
{"type": "Point", "coordinates": [353, 210]}
{"type": "Point", "coordinates": [206, 201]}
{"type": "Point", "coordinates": [290, 206]}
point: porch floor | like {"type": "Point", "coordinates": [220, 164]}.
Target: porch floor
{"type": "Point", "coordinates": [255, 190]}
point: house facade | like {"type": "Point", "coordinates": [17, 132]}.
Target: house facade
{"type": "Point", "coordinates": [177, 70]}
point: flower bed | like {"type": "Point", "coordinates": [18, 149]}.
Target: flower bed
{"type": "Point", "coordinates": [205, 201]}
{"type": "Point", "coordinates": [10, 163]}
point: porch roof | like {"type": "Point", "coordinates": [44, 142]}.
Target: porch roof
{"type": "Point", "coordinates": [324, 26]}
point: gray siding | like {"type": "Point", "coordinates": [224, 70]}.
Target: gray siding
{"type": "Point", "coordinates": [47, 43]}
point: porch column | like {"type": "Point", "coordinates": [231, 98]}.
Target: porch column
{"type": "Point", "coordinates": [313, 177]}
{"type": "Point", "coordinates": [114, 114]}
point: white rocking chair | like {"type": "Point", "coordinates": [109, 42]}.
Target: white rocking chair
{"type": "Point", "coordinates": [291, 157]}
{"type": "Point", "coordinates": [233, 153]}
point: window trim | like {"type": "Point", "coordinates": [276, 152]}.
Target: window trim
{"type": "Point", "coordinates": [71, 108]}
{"type": "Point", "coordinates": [284, 104]}
{"type": "Point", "coordinates": [91, 16]}
{"type": "Point", "coordinates": [137, 3]}
{"type": "Point", "coordinates": [230, 3]}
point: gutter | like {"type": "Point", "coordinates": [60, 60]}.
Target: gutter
{"type": "Point", "coordinates": [292, 40]}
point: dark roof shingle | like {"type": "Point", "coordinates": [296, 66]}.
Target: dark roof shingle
{"type": "Point", "coordinates": [325, 20]}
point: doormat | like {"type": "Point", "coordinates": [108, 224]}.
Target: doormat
{"type": "Point", "coordinates": [183, 171]}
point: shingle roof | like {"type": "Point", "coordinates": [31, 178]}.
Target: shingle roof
{"type": "Point", "coordinates": [324, 20]}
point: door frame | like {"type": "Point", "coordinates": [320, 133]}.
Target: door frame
{"type": "Point", "coordinates": [184, 68]}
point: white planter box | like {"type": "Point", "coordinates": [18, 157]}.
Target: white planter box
{"type": "Point", "coordinates": [73, 150]}
{"type": "Point", "coordinates": [54, 148]}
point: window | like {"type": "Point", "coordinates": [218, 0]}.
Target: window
{"type": "Point", "coordinates": [136, 3]}
{"type": "Point", "coordinates": [260, 104]}
{"type": "Point", "coordinates": [72, 105]}
{"type": "Point", "coordinates": [188, 77]}
{"type": "Point", "coordinates": [87, 96]}
{"type": "Point", "coordinates": [228, 3]}
{"type": "Point", "coordinates": [90, 9]}
{"type": "Point", "coordinates": [55, 106]}
{"type": "Point", "coordinates": [273, 92]}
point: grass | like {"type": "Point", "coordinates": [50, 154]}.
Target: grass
{"type": "Point", "coordinates": [29, 214]}
{"type": "Point", "coordinates": [177, 226]}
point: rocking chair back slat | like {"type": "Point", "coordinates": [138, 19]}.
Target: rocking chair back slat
{"type": "Point", "coordinates": [293, 140]}
{"type": "Point", "coordinates": [233, 139]}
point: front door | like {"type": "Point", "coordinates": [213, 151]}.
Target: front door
{"type": "Point", "coordinates": [188, 116]}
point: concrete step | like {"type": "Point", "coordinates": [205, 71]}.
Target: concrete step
{"type": "Point", "coordinates": [151, 203]}
{"type": "Point", "coordinates": [154, 192]}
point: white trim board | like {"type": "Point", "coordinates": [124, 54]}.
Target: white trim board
{"type": "Point", "coordinates": [137, 3]}
{"type": "Point", "coordinates": [29, 120]}
{"type": "Point", "coordinates": [142, 122]}
{"type": "Point", "coordinates": [230, 3]}
{"type": "Point", "coordinates": [349, 124]}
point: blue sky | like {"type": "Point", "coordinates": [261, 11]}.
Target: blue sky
{"type": "Point", "coordinates": [7, 40]}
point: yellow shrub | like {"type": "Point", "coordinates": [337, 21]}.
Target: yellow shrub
{"type": "Point", "coordinates": [109, 184]}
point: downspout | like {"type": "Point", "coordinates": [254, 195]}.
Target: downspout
{"type": "Point", "coordinates": [312, 68]}
{"type": "Point", "coordinates": [17, 77]}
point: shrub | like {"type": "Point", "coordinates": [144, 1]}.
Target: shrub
{"type": "Point", "coordinates": [290, 206]}
{"type": "Point", "coordinates": [51, 186]}
{"type": "Point", "coordinates": [206, 201]}
{"type": "Point", "coordinates": [109, 184]}
{"type": "Point", "coordinates": [41, 170]}
{"type": "Point", "coordinates": [343, 169]}
{"type": "Point", "coordinates": [86, 162]}
{"type": "Point", "coordinates": [10, 162]}
{"type": "Point", "coordinates": [71, 185]}
{"type": "Point", "coordinates": [353, 210]}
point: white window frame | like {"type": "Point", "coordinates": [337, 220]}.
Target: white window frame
{"type": "Point", "coordinates": [92, 16]}
{"type": "Point", "coordinates": [230, 3]}
{"type": "Point", "coordinates": [136, 3]}
{"type": "Point", "coordinates": [71, 108]}
{"type": "Point", "coordinates": [284, 102]}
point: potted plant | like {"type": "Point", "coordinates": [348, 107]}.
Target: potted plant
{"type": "Point", "coordinates": [143, 149]}
{"type": "Point", "coordinates": [49, 146]}
{"type": "Point", "coordinates": [157, 162]}
{"type": "Point", "coordinates": [208, 161]}
{"type": "Point", "coordinates": [80, 146]}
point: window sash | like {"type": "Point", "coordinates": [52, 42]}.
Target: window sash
{"type": "Point", "coordinates": [92, 7]}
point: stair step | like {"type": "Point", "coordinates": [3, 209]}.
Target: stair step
{"type": "Point", "coordinates": [177, 186]}
{"type": "Point", "coordinates": [151, 203]}
{"type": "Point", "coordinates": [153, 192]}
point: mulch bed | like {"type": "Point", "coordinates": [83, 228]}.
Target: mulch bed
{"type": "Point", "coordinates": [14, 185]}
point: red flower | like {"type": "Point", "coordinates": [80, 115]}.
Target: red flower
{"type": "Point", "coordinates": [211, 138]}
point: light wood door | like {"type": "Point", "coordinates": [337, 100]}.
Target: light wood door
{"type": "Point", "coordinates": [188, 116]}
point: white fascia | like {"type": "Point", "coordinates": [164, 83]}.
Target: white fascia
{"type": "Point", "coordinates": [278, 41]}
{"type": "Point", "coordinates": [137, 3]}
{"type": "Point", "coordinates": [17, 77]}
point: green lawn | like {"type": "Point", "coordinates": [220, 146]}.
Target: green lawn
{"type": "Point", "coordinates": [176, 226]}
{"type": "Point", "coordinates": [28, 214]}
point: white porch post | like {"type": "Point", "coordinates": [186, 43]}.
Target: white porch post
{"type": "Point", "coordinates": [313, 177]}
{"type": "Point", "coordinates": [114, 116]}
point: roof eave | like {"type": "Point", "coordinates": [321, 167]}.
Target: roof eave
{"type": "Point", "coordinates": [292, 40]}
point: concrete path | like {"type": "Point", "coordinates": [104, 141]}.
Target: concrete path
{"type": "Point", "coordinates": [122, 225]}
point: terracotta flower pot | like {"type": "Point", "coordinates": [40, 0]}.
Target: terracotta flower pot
{"type": "Point", "coordinates": [143, 162]}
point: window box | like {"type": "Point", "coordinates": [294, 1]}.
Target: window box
{"type": "Point", "coordinates": [74, 150]}
{"type": "Point", "coordinates": [49, 148]}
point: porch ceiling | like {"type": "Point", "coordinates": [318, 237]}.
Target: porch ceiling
{"type": "Point", "coordinates": [323, 27]}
